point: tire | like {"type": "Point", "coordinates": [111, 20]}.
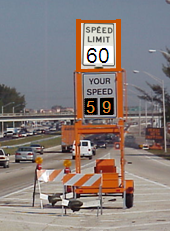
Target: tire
{"type": "Point", "coordinates": [129, 200]}
{"type": "Point", "coordinates": [16, 161]}
{"type": "Point", "coordinates": [6, 164]}
{"type": "Point", "coordinates": [90, 157]}
{"type": "Point", "coordinates": [77, 195]}
{"type": "Point", "coordinates": [73, 157]}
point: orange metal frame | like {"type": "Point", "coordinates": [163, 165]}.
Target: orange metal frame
{"type": "Point", "coordinates": [93, 129]}
{"type": "Point", "coordinates": [80, 128]}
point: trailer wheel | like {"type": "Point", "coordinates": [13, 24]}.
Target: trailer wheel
{"type": "Point", "coordinates": [129, 200]}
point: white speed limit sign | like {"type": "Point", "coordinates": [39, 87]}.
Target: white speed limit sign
{"type": "Point", "coordinates": [98, 44]}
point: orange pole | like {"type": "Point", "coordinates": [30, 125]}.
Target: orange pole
{"type": "Point", "coordinates": [121, 124]}
{"type": "Point", "coordinates": [125, 95]}
{"type": "Point", "coordinates": [122, 158]}
{"type": "Point", "coordinates": [77, 148]}
{"type": "Point", "coordinates": [78, 121]}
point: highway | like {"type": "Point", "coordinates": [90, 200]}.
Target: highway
{"type": "Point", "coordinates": [151, 210]}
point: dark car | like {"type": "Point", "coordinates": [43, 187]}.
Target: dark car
{"type": "Point", "coordinates": [101, 144]}
{"type": "Point", "coordinates": [37, 132]}
{"type": "Point", "coordinates": [93, 148]}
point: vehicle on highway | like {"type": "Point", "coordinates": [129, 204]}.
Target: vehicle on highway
{"type": "Point", "coordinates": [145, 146]}
{"type": "Point", "coordinates": [4, 159]}
{"type": "Point", "coordinates": [67, 138]}
{"type": "Point", "coordinates": [29, 133]}
{"type": "Point", "coordinates": [25, 154]}
{"type": "Point", "coordinates": [22, 133]}
{"type": "Point", "coordinates": [8, 134]}
{"type": "Point", "coordinates": [101, 144]}
{"type": "Point", "coordinates": [52, 128]}
{"type": "Point", "coordinates": [37, 148]}
{"type": "Point", "coordinates": [37, 131]}
{"type": "Point", "coordinates": [85, 149]}
{"type": "Point", "coordinates": [15, 135]}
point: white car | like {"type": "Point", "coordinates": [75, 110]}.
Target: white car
{"type": "Point", "coordinates": [22, 134]}
{"type": "Point", "coordinates": [4, 159]}
{"type": "Point", "coordinates": [85, 149]}
{"type": "Point", "coordinates": [8, 134]}
{"type": "Point", "coordinates": [145, 146]}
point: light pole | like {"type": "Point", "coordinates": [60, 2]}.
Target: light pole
{"type": "Point", "coordinates": [139, 105]}
{"type": "Point", "coordinates": [2, 110]}
{"type": "Point", "coordinates": [163, 52]}
{"type": "Point", "coordinates": [160, 81]}
{"type": "Point", "coordinates": [13, 111]}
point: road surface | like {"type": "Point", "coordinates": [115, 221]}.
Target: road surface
{"type": "Point", "coordinates": [151, 210]}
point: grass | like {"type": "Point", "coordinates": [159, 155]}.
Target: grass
{"type": "Point", "coordinates": [161, 153]}
{"type": "Point", "coordinates": [53, 141]}
{"type": "Point", "coordinates": [57, 141]}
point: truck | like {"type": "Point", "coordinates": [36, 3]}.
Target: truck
{"type": "Point", "coordinates": [10, 131]}
{"type": "Point", "coordinates": [67, 137]}
{"type": "Point", "coordinates": [14, 130]}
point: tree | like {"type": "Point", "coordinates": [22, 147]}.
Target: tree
{"type": "Point", "coordinates": [156, 95]}
{"type": "Point", "coordinates": [8, 95]}
{"type": "Point", "coordinates": [166, 69]}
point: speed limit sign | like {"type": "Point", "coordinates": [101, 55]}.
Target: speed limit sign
{"type": "Point", "coordinates": [98, 45]}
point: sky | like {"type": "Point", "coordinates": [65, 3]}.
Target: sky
{"type": "Point", "coordinates": [38, 44]}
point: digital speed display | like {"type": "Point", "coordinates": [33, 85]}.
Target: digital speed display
{"type": "Point", "coordinates": [99, 95]}
{"type": "Point", "coordinates": [106, 106]}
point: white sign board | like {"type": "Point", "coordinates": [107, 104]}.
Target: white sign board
{"type": "Point", "coordinates": [99, 92]}
{"type": "Point", "coordinates": [98, 45]}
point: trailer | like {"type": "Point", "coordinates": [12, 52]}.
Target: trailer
{"type": "Point", "coordinates": [113, 183]}
{"type": "Point", "coordinates": [67, 137]}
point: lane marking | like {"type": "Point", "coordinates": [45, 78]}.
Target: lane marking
{"type": "Point", "coordinates": [154, 158]}
{"type": "Point", "coordinates": [18, 191]}
{"type": "Point", "coordinates": [29, 187]}
{"type": "Point", "coordinates": [145, 179]}
{"type": "Point", "coordinates": [158, 160]}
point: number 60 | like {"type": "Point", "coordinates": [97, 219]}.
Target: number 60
{"type": "Point", "coordinates": [91, 55]}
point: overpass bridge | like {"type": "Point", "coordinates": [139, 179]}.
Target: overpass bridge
{"type": "Point", "coordinates": [21, 117]}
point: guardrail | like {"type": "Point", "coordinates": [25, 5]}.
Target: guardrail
{"type": "Point", "coordinates": [8, 117]}
{"type": "Point", "coordinates": [34, 114]}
